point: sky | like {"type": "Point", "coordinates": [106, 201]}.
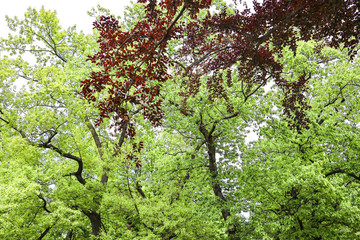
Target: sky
{"type": "Point", "coordinates": [69, 12]}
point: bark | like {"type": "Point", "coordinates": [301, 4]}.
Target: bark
{"type": "Point", "coordinates": [104, 177]}
{"type": "Point", "coordinates": [211, 149]}
{"type": "Point", "coordinates": [95, 220]}
{"type": "Point", "coordinates": [44, 233]}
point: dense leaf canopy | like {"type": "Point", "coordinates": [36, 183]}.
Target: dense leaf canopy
{"type": "Point", "coordinates": [141, 129]}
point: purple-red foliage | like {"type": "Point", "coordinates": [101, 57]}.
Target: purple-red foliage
{"type": "Point", "coordinates": [134, 63]}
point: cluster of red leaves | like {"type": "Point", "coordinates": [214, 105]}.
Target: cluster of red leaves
{"type": "Point", "coordinates": [294, 103]}
{"type": "Point", "coordinates": [134, 63]}
{"type": "Point", "coordinates": [248, 43]}
{"type": "Point", "coordinates": [132, 157]}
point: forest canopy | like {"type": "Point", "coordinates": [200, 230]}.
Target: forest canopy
{"type": "Point", "coordinates": [141, 129]}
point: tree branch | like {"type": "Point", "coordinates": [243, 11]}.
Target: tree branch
{"type": "Point", "coordinates": [45, 203]}
{"type": "Point", "coordinates": [104, 177]}
{"type": "Point", "coordinates": [48, 145]}
{"type": "Point", "coordinates": [44, 233]}
{"type": "Point", "coordinates": [342, 171]}
{"type": "Point", "coordinates": [78, 173]}
{"type": "Point", "coordinates": [13, 127]}
{"type": "Point", "coordinates": [172, 25]}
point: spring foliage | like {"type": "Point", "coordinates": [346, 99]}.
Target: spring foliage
{"type": "Point", "coordinates": [141, 129]}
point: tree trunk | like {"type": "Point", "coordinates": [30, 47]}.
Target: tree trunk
{"type": "Point", "coordinates": [95, 221]}
{"type": "Point", "coordinates": [211, 149]}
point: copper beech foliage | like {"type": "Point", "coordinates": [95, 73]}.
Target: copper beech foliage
{"type": "Point", "coordinates": [135, 63]}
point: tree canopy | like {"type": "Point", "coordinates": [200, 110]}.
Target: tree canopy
{"type": "Point", "coordinates": [141, 129]}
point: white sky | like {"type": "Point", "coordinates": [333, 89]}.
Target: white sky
{"type": "Point", "coordinates": [69, 12]}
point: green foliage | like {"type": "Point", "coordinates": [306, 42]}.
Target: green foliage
{"type": "Point", "coordinates": [61, 174]}
{"type": "Point", "coordinates": [304, 183]}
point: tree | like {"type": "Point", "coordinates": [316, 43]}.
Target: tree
{"type": "Point", "coordinates": [301, 185]}
{"type": "Point", "coordinates": [78, 169]}
{"type": "Point", "coordinates": [135, 62]}
{"type": "Point", "coordinates": [64, 177]}
{"type": "Point", "coordinates": [47, 117]}
{"type": "Point", "coordinates": [223, 54]}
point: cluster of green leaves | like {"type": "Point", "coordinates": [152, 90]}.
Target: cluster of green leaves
{"type": "Point", "coordinates": [63, 177]}
{"type": "Point", "coordinates": [303, 185]}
